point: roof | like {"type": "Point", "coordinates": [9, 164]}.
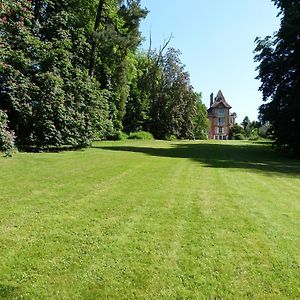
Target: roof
{"type": "Point", "coordinates": [220, 99]}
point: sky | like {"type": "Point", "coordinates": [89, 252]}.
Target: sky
{"type": "Point", "coordinates": [216, 38]}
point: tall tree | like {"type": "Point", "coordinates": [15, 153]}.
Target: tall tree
{"type": "Point", "coordinates": [279, 73]}
{"type": "Point", "coordinates": [95, 38]}
{"type": "Point", "coordinates": [45, 88]}
{"type": "Point", "coordinates": [162, 100]}
{"type": "Point", "coordinates": [246, 122]}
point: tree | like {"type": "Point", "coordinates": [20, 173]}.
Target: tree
{"type": "Point", "coordinates": [173, 103]}
{"type": "Point", "coordinates": [71, 72]}
{"type": "Point", "coordinates": [237, 132]}
{"type": "Point", "coordinates": [246, 122]}
{"type": "Point", "coordinates": [247, 126]}
{"type": "Point", "coordinates": [200, 121]}
{"type": "Point", "coordinates": [95, 39]}
{"type": "Point", "coordinates": [279, 73]}
{"type": "Point", "coordinates": [7, 137]}
{"type": "Point", "coordinates": [117, 39]}
{"type": "Point", "coordinates": [66, 67]}
{"type": "Point", "coordinates": [47, 93]}
{"type": "Point", "coordinates": [162, 100]}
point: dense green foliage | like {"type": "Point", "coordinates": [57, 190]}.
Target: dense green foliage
{"type": "Point", "coordinates": [70, 72]}
{"type": "Point", "coordinates": [162, 100]}
{"type": "Point", "coordinates": [279, 72]}
{"type": "Point", "coordinates": [150, 220]}
{"type": "Point", "coordinates": [7, 137]}
{"type": "Point", "coordinates": [45, 87]}
{"type": "Point", "coordinates": [141, 135]}
{"type": "Point", "coordinates": [246, 130]}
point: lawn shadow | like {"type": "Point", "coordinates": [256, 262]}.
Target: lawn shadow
{"type": "Point", "coordinates": [255, 156]}
{"type": "Point", "coordinates": [7, 291]}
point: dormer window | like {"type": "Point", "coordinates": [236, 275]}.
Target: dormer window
{"type": "Point", "coordinates": [221, 112]}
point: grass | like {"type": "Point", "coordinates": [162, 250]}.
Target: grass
{"type": "Point", "coordinates": [150, 220]}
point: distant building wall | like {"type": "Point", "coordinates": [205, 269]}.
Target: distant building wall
{"type": "Point", "coordinates": [220, 118]}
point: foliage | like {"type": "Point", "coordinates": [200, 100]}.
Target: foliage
{"type": "Point", "coordinates": [7, 137]}
{"type": "Point", "coordinates": [49, 97]}
{"type": "Point", "coordinates": [162, 100]}
{"type": "Point", "coordinates": [117, 41]}
{"type": "Point", "coordinates": [279, 73]}
{"type": "Point", "coordinates": [141, 135]}
{"type": "Point", "coordinates": [50, 101]}
{"type": "Point", "coordinates": [171, 137]}
{"type": "Point", "coordinates": [239, 136]}
{"type": "Point", "coordinates": [71, 73]}
{"type": "Point", "coordinates": [200, 122]}
{"type": "Point", "coordinates": [120, 136]}
{"type": "Point", "coordinates": [247, 126]}
{"type": "Point", "coordinates": [236, 129]}
{"type": "Point", "coordinates": [247, 130]}
{"type": "Point", "coordinates": [264, 130]}
{"type": "Point", "coordinates": [173, 105]}
{"type": "Point", "coordinates": [246, 122]}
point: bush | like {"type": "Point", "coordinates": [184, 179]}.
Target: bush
{"type": "Point", "coordinates": [171, 137]}
{"type": "Point", "coordinates": [239, 136]}
{"type": "Point", "coordinates": [254, 138]}
{"type": "Point", "coordinates": [117, 135]}
{"type": "Point", "coordinates": [121, 136]}
{"type": "Point", "coordinates": [141, 135]}
{"type": "Point", "coordinates": [7, 137]}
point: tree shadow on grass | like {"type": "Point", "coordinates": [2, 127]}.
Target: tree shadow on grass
{"type": "Point", "coordinates": [7, 291]}
{"type": "Point", "coordinates": [256, 157]}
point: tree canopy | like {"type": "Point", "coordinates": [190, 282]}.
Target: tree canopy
{"type": "Point", "coordinates": [71, 71]}
{"type": "Point", "coordinates": [279, 73]}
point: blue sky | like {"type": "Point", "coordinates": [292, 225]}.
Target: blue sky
{"type": "Point", "coordinates": [216, 38]}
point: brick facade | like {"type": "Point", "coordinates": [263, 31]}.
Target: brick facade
{"type": "Point", "coordinates": [220, 118]}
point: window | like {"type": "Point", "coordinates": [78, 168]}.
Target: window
{"type": "Point", "coordinates": [220, 129]}
{"type": "Point", "coordinates": [224, 137]}
{"type": "Point", "coordinates": [221, 112]}
{"type": "Point", "coordinates": [221, 121]}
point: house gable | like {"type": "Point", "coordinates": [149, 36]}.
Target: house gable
{"type": "Point", "coordinates": [220, 99]}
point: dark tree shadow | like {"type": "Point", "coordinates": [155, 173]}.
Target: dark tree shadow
{"type": "Point", "coordinates": [256, 156]}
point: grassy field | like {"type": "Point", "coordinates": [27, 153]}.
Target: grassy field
{"type": "Point", "coordinates": [150, 220]}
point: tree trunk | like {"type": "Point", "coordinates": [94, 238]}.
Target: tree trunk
{"type": "Point", "coordinates": [95, 38]}
{"type": "Point", "coordinates": [36, 11]}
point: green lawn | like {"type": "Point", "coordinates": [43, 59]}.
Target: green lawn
{"type": "Point", "coordinates": [150, 220]}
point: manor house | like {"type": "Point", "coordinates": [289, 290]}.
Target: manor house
{"type": "Point", "coordinates": [220, 118]}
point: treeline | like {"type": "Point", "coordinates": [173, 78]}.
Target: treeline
{"type": "Point", "coordinates": [71, 72]}
{"type": "Point", "coordinates": [252, 130]}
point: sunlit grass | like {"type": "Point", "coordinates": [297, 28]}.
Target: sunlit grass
{"type": "Point", "coordinates": [150, 220]}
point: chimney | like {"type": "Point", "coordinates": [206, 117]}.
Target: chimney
{"type": "Point", "coordinates": [211, 99]}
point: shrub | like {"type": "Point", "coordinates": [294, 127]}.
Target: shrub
{"type": "Point", "coordinates": [254, 138]}
{"type": "Point", "coordinates": [239, 136]}
{"type": "Point", "coordinates": [141, 135]}
{"type": "Point", "coordinates": [171, 137]}
{"type": "Point", "coordinates": [121, 136]}
{"type": "Point", "coordinates": [117, 135]}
